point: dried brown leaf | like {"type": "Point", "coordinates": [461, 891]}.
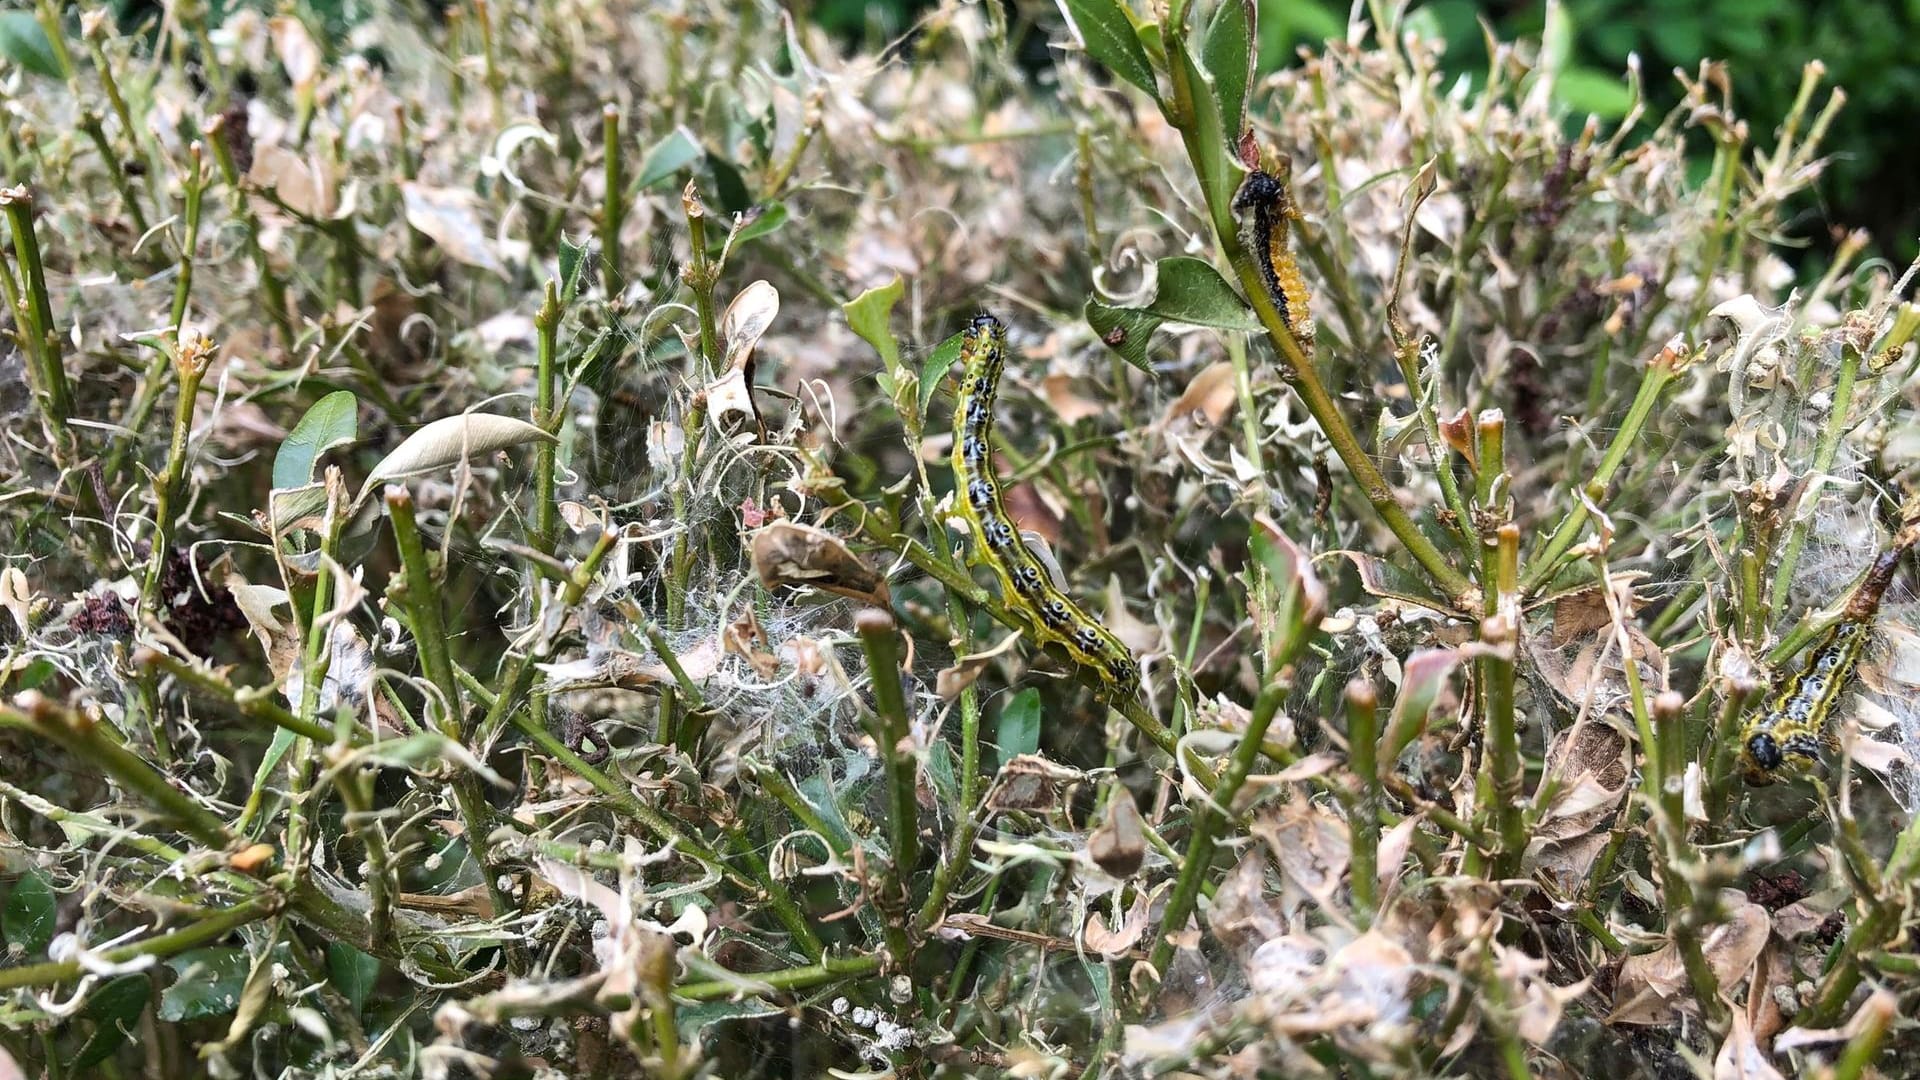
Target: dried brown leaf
{"type": "Point", "coordinates": [1210, 393]}
{"type": "Point", "coordinates": [1119, 845]}
{"type": "Point", "coordinates": [788, 553]}
{"type": "Point", "coordinates": [450, 217]}
{"type": "Point", "coordinates": [1070, 407]}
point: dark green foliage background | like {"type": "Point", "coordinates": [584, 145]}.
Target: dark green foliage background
{"type": "Point", "coordinates": [1871, 49]}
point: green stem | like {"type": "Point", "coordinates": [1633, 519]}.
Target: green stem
{"type": "Point", "coordinates": [210, 929]}
{"type": "Point", "coordinates": [779, 982]}
{"type": "Point", "coordinates": [34, 315]}
{"type": "Point", "coordinates": [190, 362]}
{"type": "Point", "coordinates": [421, 598]}
{"type": "Point", "coordinates": [892, 730]}
{"type": "Point", "coordinates": [701, 276]}
{"type": "Point", "coordinates": [1660, 372]}
{"type": "Point", "coordinates": [84, 739]}
{"type": "Point", "coordinates": [356, 792]}
{"type": "Point", "coordinates": [1364, 811]}
{"type": "Point", "coordinates": [1210, 818]}
{"type": "Point", "coordinates": [253, 704]}
{"type": "Point", "coordinates": [546, 504]}
{"type": "Point", "coordinates": [1823, 455]}
{"type": "Point", "coordinates": [613, 211]}
{"type": "Point", "coordinates": [116, 168]}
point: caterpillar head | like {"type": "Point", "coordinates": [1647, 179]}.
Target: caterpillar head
{"type": "Point", "coordinates": [1765, 759]}
{"type": "Point", "coordinates": [1763, 752]}
{"type": "Point", "coordinates": [1259, 189]}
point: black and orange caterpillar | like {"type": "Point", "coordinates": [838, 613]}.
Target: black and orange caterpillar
{"type": "Point", "coordinates": [1264, 197]}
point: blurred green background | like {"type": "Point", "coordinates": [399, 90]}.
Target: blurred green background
{"type": "Point", "coordinates": [1871, 49]}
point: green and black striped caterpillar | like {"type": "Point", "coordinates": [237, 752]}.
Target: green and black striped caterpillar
{"type": "Point", "coordinates": [1051, 616]}
{"type": "Point", "coordinates": [1786, 735]}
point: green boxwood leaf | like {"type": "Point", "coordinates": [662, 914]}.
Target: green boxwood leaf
{"type": "Point", "coordinates": [1188, 291]}
{"type": "Point", "coordinates": [1588, 90]}
{"type": "Point", "coordinates": [115, 1009]}
{"type": "Point", "coordinates": [1217, 163]}
{"type": "Point", "coordinates": [693, 1019]}
{"type": "Point", "coordinates": [23, 42]}
{"type": "Point", "coordinates": [818, 790]}
{"type": "Point", "coordinates": [939, 362]}
{"type": "Point", "coordinates": [868, 315]}
{"type": "Point", "coordinates": [332, 421]}
{"type": "Point", "coordinates": [352, 972]}
{"type": "Point", "coordinates": [1019, 728]}
{"type": "Point", "coordinates": [1106, 30]}
{"type": "Point", "coordinates": [729, 187]}
{"type": "Point", "coordinates": [760, 222]}
{"type": "Point", "coordinates": [665, 159]}
{"type": "Point", "coordinates": [28, 919]}
{"type": "Point", "coordinates": [207, 983]}
{"type": "Point", "coordinates": [1227, 55]}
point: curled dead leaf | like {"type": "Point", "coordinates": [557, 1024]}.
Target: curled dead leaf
{"type": "Point", "coordinates": [1070, 407]}
{"type": "Point", "coordinates": [450, 217]}
{"type": "Point", "coordinates": [788, 553]}
{"type": "Point", "coordinates": [1588, 768]}
{"type": "Point", "coordinates": [1119, 941]}
{"type": "Point", "coordinates": [1653, 987]}
{"type": "Point", "coordinates": [1209, 393]}
{"type": "Point", "coordinates": [744, 637]}
{"type": "Point", "coordinates": [1310, 844]}
{"type": "Point", "coordinates": [252, 859]}
{"type": "Point", "coordinates": [451, 439]}
{"type": "Point", "coordinates": [1740, 1056]}
{"type": "Point", "coordinates": [964, 673]}
{"type": "Point", "coordinates": [1119, 845]}
{"type": "Point", "coordinates": [730, 404]}
{"type": "Point", "coordinates": [1241, 917]}
{"type": "Point", "coordinates": [1030, 782]}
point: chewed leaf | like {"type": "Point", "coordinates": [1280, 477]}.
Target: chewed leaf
{"type": "Point", "coordinates": [1383, 579]}
{"type": "Point", "coordinates": [939, 362]}
{"type": "Point", "coordinates": [789, 553]}
{"type": "Point", "coordinates": [1423, 677]}
{"type": "Point", "coordinates": [868, 314]}
{"type": "Point", "coordinates": [1187, 291]}
{"type": "Point", "coordinates": [667, 157]}
{"type": "Point", "coordinates": [508, 143]}
{"type": "Point", "coordinates": [451, 439]}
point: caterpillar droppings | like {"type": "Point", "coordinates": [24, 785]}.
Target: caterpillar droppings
{"type": "Point", "coordinates": [1051, 616]}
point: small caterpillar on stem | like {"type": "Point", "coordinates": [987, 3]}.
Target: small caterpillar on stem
{"type": "Point", "coordinates": [1785, 736]}
{"type": "Point", "coordinates": [1270, 202]}
{"type": "Point", "coordinates": [1028, 589]}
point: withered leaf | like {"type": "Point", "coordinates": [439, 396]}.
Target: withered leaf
{"type": "Point", "coordinates": [1119, 845]}
{"type": "Point", "coordinates": [1030, 782]}
{"type": "Point", "coordinates": [788, 553]}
